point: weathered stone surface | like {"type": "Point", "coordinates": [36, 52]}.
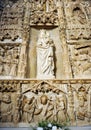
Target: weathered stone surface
{"type": "Point", "coordinates": [45, 62]}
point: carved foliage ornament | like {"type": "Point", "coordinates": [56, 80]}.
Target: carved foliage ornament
{"type": "Point", "coordinates": [44, 87]}
{"type": "Point", "coordinates": [43, 12]}
{"type": "Point", "coordinates": [8, 86]}
{"type": "Point", "coordinates": [11, 22]}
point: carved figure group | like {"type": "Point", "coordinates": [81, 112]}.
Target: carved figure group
{"type": "Point", "coordinates": [81, 61]}
{"type": "Point", "coordinates": [41, 106]}
{"type": "Point", "coordinates": [45, 109]}
{"type": "Point", "coordinates": [9, 61]}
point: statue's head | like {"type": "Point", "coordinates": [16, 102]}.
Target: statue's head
{"type": "Point", "coordinates": [44, 99]}
{"type": "Point", "coordinates": [42, 33]}
{"type": "Point", "coordinates": [6, 98]}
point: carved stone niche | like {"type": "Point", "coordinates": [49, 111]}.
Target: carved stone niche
{"type": "Point", "coordinates": [50, 53]}
{"type": "Point", "coordinates": [78, 21]}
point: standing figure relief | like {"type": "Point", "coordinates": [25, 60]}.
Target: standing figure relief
{"type": "Point", "coordinates": [6, 108]}
{"type": "Point", "coordinates": [28, 109]}
{"type": "Point", "coordinates": [45, 56]}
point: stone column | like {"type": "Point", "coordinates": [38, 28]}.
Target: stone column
{"type": "Point", "coordinates": [25, 40]}
{"type": "Point", "coordinates": [62, 29]}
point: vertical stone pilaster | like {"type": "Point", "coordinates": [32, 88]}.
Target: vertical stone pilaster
{"type": "Point", "coordinates": [25, 40]}
{"type": "Point", "coordinates": [62, 29]}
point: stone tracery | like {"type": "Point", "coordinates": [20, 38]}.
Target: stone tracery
{"type": "Point", "coordinates": [67, 34]}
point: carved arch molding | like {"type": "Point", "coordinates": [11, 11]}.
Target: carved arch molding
{"type": "Point", "coordinates": [43, 44]}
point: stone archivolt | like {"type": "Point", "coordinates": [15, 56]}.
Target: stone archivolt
{"type": "Point", "coordinates": [66, 50]}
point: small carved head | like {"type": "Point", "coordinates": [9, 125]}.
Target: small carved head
{"type": "Point", "coordinates": [42, 33]}
{"type": "Point", "coordinates": [6, 98]}
{"type": "Point", "coordinates": [44, 99]}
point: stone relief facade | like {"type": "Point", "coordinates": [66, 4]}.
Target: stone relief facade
{"type": "Point", "coordinates": [45, 62]}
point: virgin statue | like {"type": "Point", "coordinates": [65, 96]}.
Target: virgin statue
{"type": "Point", "coordinates": [45, 56]}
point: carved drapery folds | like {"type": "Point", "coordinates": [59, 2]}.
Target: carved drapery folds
{"type": "Point", "coordinates": [62, 49]}
{"type": "Point", "coordinates": [45, 56]}
{"type": "Point", "coordinates": [45, 100]}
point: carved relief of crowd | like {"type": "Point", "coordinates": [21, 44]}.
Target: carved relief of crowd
{"type": "Point", "coordinates": [9, 56]}
{"type": "Point", "coordinates": [46, 106]}
{"type": "Point", "coordinates": [81, 60]}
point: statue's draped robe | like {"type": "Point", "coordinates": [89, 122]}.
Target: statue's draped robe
{"type": "Point", "coordinates": [45, 64]}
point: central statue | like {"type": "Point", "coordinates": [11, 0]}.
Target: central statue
{"type": "Point", "coordinates": [45, 56]}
